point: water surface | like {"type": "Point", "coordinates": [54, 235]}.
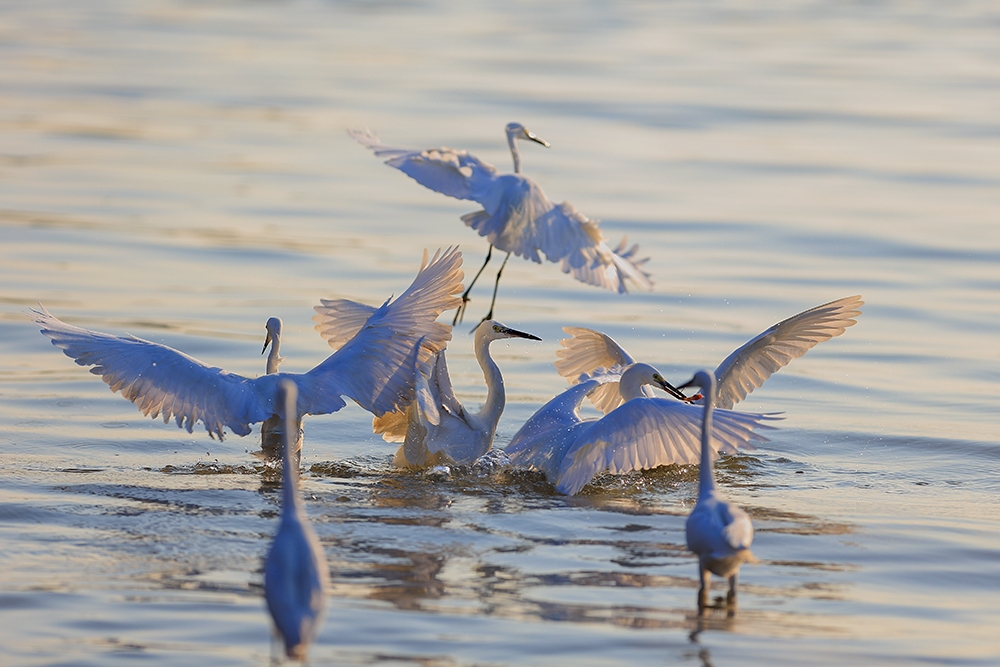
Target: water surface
{"type": "Point", "coordinates": [180, 171]}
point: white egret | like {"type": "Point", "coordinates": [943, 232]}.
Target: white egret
{"type": "Point", "coordinates": [642, 433]}
{"type": "Point", "coordinates": [739, 374]}
{"type": "Point", "coordinates": [717, 531]}
{"type": "Point", "coordinates": [374, 366]}
{"type": "Point", "coordinates": [436, 428]}
{"type": "Point", "coordinates": [295, 572]}
{"type": "Point", "coordinates": [272, 429]}
{"type": "Point", "coordinates": [517, 217]}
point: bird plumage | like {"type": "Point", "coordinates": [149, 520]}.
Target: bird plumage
{"type": "Point", "coordinates": [717, 531]}
{"type": "Point", "coordinates": [372, 367]}
{"type": "Point", "coordinates": [436, 428]}
{"type": "Point", "coordinates": [746, 369]}
{"type": "Point", "coordinates": [516, 216]}
{"type": "Point", "coordinates": [642, 433]}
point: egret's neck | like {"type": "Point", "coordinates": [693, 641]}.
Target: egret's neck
{"type": "Point", "coordinates": [706, 473]}
{"type": "Point", "coordinates": [496, 398]}
{"type": "Point", "coordinates": [291, 500]}
{"type": "Point", "coordinates": [274, 359]}
{"type": "Point", "coordinates": [631, 383]}
{"type": "Point", "coordinates": [512, 142]}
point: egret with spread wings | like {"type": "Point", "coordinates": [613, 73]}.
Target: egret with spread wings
{"type": "Point", "coordinates": [642, 433]}
{"type": "Point", "coordinates": [739, 374]}
{"type": "Point", "coordinates": [436, 429]}
{"type": "Point", "coordinates": [374, 365]}
{"type": "Point", "coordinates": [517, 217]}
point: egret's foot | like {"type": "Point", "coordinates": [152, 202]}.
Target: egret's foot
{"type": "Point", "coordinates": [702, 601]}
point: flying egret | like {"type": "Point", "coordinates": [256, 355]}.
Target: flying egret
{"type": "Point", "coordinates": [642, 433]}
{"type": "Point", "coordinates": [739, 374]}
{"type": "Point", "coordinates": [717, 531]}
{"type": "Point", "coordinates": [517, 217]}
{"type": "Point", "coordinates": [374, 366]}
{"type": "Point", "coordinates": [436, 428]}
{"type": "Point", "coordinates": [295, 572]}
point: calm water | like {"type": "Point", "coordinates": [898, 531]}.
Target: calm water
{"type": "Point", "coordinates": [180, 171]}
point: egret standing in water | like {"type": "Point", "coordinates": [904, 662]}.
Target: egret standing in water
{"type": "Point", "coordinates": [272, 429]}
{"type": "Point", "coordinates": [717, 531]}
{"type": "Point", "coordinates": [517, 217]}
{"type": "Point", "coordinates": [436, 428]}
{"type": "Point", "coordinates": [295, 572]}
{"type": "Point", "coordinates": [642, 433]}
{"type": "Point", "coordinates": [739, 374]}
{"type": "Point", "coordinates": [374, 366]}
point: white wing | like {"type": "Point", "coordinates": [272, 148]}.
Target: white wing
{"type": "Point", "coordinates": [587, 351]}
{"type": "Point", "coordinates": [520, 219]}
{"type": "Point", "coordinates": [161, 380]}
{"type": "Point", "coordinates": [450, 172]}
{"type": "Point", "coordinates": [649, 432]}
{"type": "Point", "coordinates": [748, 367]}
{"type": "Point", "coordinates": [739, 529]}
{"type": "Point", "coordinates": [339, 319]}
{"type": "Point", "coordinates": [542, 442]}
{"type": "Point", "coordinates": [432, 292]}
{"type": "Point", "coordinates": [375, 366]}
{"type": "Point", "coordinates": [434, 393]}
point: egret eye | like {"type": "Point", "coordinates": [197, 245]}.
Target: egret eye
{"type": "Point", "coordinates": [496, 327]}
{"type": "Point", "coordinates": [657, 378]}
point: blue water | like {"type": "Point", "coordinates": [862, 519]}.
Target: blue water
{"type": "Point", "coordinates": [181, 171]}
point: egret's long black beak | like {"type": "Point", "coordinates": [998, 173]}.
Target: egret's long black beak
{"type": "Point", "coordinates": [690, 399]}
{"type": "Point", "coordinates": [267, 341]}
{"type": "Point", "coordinates": [537, 139]}
{"type": "Point", "coordinates": [671, 389]}
{"type": "Point", "coordinates": [519, 334]}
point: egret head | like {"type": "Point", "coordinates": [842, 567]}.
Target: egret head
{"type": "Point", "coordinates": [273, 327]}
{"type": "Point", "coordinates": [518, 131]}
{"type": "Point", "coordinates": [493, 330]}
{"type": "Point", "coordinates": [640, 374]}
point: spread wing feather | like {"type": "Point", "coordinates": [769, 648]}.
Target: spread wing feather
{"type": "Point", "coordinates": [749, 366]}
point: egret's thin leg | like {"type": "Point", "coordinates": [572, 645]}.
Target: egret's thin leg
{"type": "Point", "coordinates": [706, 577]}
{"type": "Point", "coordinates": [496, 285]}
{"type": "Point", "coordinates": [460, 313]}
{"type": "Point", "coordinates": [731, 596]}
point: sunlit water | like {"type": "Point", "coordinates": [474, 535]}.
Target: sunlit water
{"type": "Point", "coordinates": [180, 171]}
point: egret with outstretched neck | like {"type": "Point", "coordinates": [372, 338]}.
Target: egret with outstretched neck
{"type": "Point", "coordinates": [517, 217]}
{"type": "Point", "coordinates": [717, 531]}
{"type": "Point", "coordinates": [436, 429]}
{"type": "Point", "coordinates": [374, 365]}
{"type": "Point", "coordinates": [295, 572]}
{"type": "Point", "coordinates": [642, 433]}
{"type": "Point", "coordinates": [739, 374]}
{"type": "Point", "coordinates": [272, 429]}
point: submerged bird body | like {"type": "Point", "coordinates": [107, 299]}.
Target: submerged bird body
{"type": "Point", "coordinates": [747, 368]}
{"type": "Point", "coordinates": [436, 428]}
{"type": "Point", "coordinates": [642, 433]}
{"type": "Point", "coordinates": [374, 365]}
{"type": "Point", "coordinates": [719, 532]}
{"type": "Point", "coordinates": [295, 571]}
{"type": "Point", "coordinates": [517, 217]}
